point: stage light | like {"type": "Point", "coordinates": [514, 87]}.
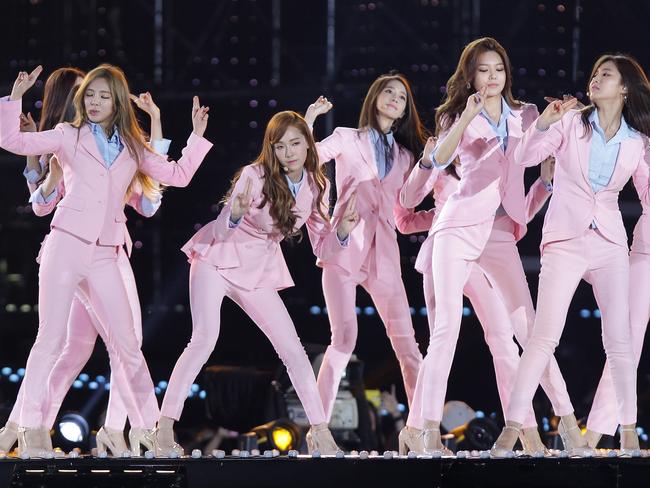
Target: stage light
{"type": "Point", "coordinates": [280, 434]}
{"type": "Point", "coordinates": [72, 431]}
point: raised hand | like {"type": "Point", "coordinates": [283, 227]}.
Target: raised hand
{"type": "Point", "coordinates": [27, 124]}
{"type": "Point", "coordinates": [199, 117]}
{"type": "Point", "coordinates": [547, 170]}
{"type": "Point", "coordinates": [428, 150]}
{"type": "Point", "coordinates": [321, 106]}
{"type": "Point", "coordinates": [475, 104]}
{"type": "Point", "coordinates": [145, 102]}
{"type": "Point", "coordinates": [24, 82]}
{"type": "Point", "coordinates": [554, 111]}
{"type": "Point", "coordinates": [241, 202]}
{"type": "Point", "coordinates": [349, 220]}
{"type": "Point", "coordinates": [565, 98]}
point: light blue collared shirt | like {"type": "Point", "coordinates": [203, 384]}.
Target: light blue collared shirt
{"type": "Point", "coordinates": [603, 153]}
{"type": "Point", "coordinates": [500, 129]}
{"type": "Point", "coordinates": [294, 187]}
{"type": "Point", "coordinates": [109, 147]}
{"type": "Point", "coordinates": [380, 155]}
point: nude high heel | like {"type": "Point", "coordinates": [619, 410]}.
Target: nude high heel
{"type": "Point", "coordinates": [319, 438]}
{"type": "Point", "coordinates": [112, 440]}
{"type": "Point", "coordinates": [410, 439]}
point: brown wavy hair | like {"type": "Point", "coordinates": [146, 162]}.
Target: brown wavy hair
{"type": "Point", "coordinates": [275, 189]}
{"type": "Point", "coordinates": [408, 130]}
{"type": "Point", "coordinates": [457, 86]}
{"type": "Point", "coordinates": [57, 97]}
{"type": "Point", "coordinates": [636, 109]}
{"type": "Point", "coordinates": [123, 118]}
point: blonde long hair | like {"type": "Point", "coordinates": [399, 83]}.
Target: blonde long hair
{"type": "Point", "coordinates": [123, 118]}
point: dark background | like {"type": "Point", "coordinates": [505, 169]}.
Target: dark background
{"type": "Point", "coordinates": [247, 59]}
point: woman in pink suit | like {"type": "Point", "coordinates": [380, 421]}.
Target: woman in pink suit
{"type": "Point", "coordinates": [488, 304]}
{"type": "Point", "coordinates": [102, 153]}
{"type": "Point", "coordinates": [481, 123]}
{"type": "Point", "coordinates": [238, 255]}
{"type": "Point", "coordinates": [597, 150]}
{"type": "Point", "coordinates": [602, 417]}
{"type": "Point", "coordinates": [83, 324]}
{"type": "Point", "coordinates": [372, 161]}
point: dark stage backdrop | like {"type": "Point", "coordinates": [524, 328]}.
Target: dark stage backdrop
{"type": "Point", "coordinates": [247, 59]}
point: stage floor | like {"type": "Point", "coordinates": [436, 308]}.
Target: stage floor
{"type": "Point", "coordinates": [351, 471]}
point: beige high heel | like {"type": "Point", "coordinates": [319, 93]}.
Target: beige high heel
{"type": "Point", "coordinates": [319, 438]}
{"type": "Point", "coordinates": [111, 439]}
{"type": "Point", "coordinates": [31, 442]}
{"type": "Point", "coordinates": [142, 437]}
{"type": "Point", "coordinates": [532, 442]}
{"type": "Point", "coordinates": [502, 448]}
{"type": "Point", "coordinates": [8, 436]}
{"type": "Point", "coordinates": [629, 451]}
{"type": "Point", "coordinates": [410, 439]}
{"type": "Point", "coordinates": [432, 443]}
{"type": "Point", "coordinates": [570, 445]}
{"type": "Point", "coordinates": [165, 444]}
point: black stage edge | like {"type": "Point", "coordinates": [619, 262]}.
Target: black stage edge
{"type": "Point", "coordinates": [355, 472]}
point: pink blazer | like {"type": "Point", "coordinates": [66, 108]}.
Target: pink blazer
{"type": "Point", "coordinates": [422, 182]}
{"type": "Point", "coordinates": [134, 201]}
{"type": "Point", "coordinates": [574, 205]}
{"type": "Point", "coordinates": [93, 207]}
{"type": "Point", "coordinates": [377, 200]}
{"type": "Point", "coordinates": [641, 240]}
{"type": "Point", "coordinates": [249, 254]}
{"type": "Point", "coordinates": [488, 176]}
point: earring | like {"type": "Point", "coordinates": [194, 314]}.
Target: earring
{"type": "Point", "coordinates": [625, 98]}
{"type": "Point", "coordinates": [468, 85]}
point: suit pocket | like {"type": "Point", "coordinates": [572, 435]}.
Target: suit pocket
{"type": "Point", "coordinates": [73, 202]}
{"type": "Point", "coordinates": [224, 255]}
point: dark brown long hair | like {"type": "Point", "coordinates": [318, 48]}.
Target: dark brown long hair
{"type": "Point", "coordinates": [408, 130]}
{"type": "Point", "coordinates": [57, 97]}
{"type": "Point", "coordinates": [636, 108]}
{"type": "Point", "coordinates": [123, 118]}
{"type": "Point", "coordinates": [457, 86]}
{"type": "Point", "coordinates": [275, 189]}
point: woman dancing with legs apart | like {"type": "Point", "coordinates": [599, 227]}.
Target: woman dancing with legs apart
{"type": "Point", "coordinates": [372, 162]}
{"type": "Point", "coordinates": [488, 304]}
{"type": "Point", "coordinates": [597, 150]}
{"type": "Point", "coordinates": [480, 123]}
{"type": "Point", "coordinates": [81, 251]}
{"type": "Point", "coordinates": [238, 255]}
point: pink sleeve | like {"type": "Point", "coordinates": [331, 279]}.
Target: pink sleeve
{"type": "Point", "coordinates": [324, 240]}
{"type": "Point", "coordinates": [410, 222]}
{"type": "Point", "coordinates": [641, 176]}
{"type": "Point", "coordinates": [222, 228]}
{"type": "Point", "coordinates": [25, 143]}
{"type": "Point", "coordinates": [418, 185]}
{"type": "Point", "coordinates": [537, 145]}
{"type": "Point", "coordinates": [179, 173]}
{"type": "Point", "coordinates": [330, 147]}
{"type": "Point", "coordinates": [536, 198]}
{"type": "Point", "coordinates": [43, 209]}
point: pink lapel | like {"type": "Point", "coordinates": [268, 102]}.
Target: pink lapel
{"type": "Point", "coordinates": [367, 152]}
{"type": "Point", "coordinates": [629, 151]}
{"type": "Point", "coordinates": [583, 145]}
{"type": "Point", "coordinates": [515, 131]}
{"type": "Point", "coordinates": [305, 196]}
{"type": "Point", "coordinates": [87, 141]}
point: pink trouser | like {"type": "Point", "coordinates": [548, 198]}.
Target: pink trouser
{"type": "Point", "coordinates": [339, 289]}
{"type": "Point", "coordinates": [70, 265]}
{"type": "Point", "coordinates": [455, 250]}
{"type": "Point", "coordinates": [495, 320]}
{"type": "Point", "coordinates": [564, 264]}
{"type": "Point", "coordinates": [603, 414]}
{"type": "Point", "coordinates": [265, 307]}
